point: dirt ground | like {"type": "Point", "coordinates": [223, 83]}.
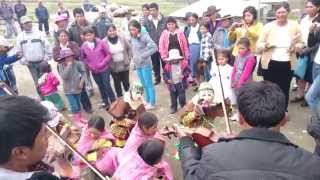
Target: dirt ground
{"type": "Point", "coordinates": [295, 129]}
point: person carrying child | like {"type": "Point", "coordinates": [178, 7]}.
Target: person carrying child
{"type": "Point", "coordinates": [145, 163]}
{"type": "Point", "coordinates": [48, 86]}
{"type": "Point", "coordinates": [176, 73]}
{"type": "Point", "coordinates": [244, 64]}
{"type": "Point", "coordinates": [73, 75]}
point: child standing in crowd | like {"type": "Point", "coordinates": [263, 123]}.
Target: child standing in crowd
{"type": "Point", "coordinates": [225, 71]}
{"type": "Point", "coordinates": [142, 49]}
{"type": "Point", "coordinates": [244, 64]}
{"type": "Point", "coordinates": [96, 55]}
{"type": "Point", "coordinates": [48, 86]}
{"type": "Point", "coordinates": [73, 74]}
{"type": "Point", "coordinates": [6, 73]}
{"type": "Point", "coordinates": [145, 163]}
{"type": "Point", "coordinates": [206, 49]}
{"type": "Point", "coordinates": [176, 73]}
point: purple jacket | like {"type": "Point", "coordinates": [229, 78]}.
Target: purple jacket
{"type": "Point", "coordinates": [97, 59]}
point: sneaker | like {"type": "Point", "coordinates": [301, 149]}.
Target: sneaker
{"type": "Point", "coordinates": [149, 107]}
{"type": "Point", "coordinates": [297, 99]}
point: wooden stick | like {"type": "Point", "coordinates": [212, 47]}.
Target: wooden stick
{"type": "Point", "coordinates": [83, 159]}
{"type": "Point", "coordinates": [226, 117]}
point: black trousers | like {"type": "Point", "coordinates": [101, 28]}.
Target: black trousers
{"type": "Point", "coordinates": [177, 92]}
{"type": "Point", "coordinates": [44, 23]}
{"type": "Point", "coordinates": [279, 73]}
{"type": "Point", "coordinates": [121, 78]}
{"type": "Point", "coordinates": [156, 65]}
{"type": "Point", "coordinates": [85, 100]}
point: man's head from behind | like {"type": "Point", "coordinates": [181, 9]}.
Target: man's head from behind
{"type": "Point", "coordinates": [261, 104]}
{"type": "Point", "coordinates": [23, 136]}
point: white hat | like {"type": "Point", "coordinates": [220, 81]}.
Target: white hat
{"type": "Point", "coordinates": [174, 54]}
{"type": "Point", "coordinates": [5, 42]}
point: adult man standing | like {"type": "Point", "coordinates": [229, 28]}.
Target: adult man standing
{"type": "Point", "coordinates": [7, 14]}
{"type": "Point", "coordinates": [155, 24]}
{"type": "Point", "coordinates": [101, 23]}
{"type": "Point", "coordinates": [42, 15]}
{"type": "Point", "coordinates": [212, 13]}
{"type": "Point", "coordinates": [260, 151]}
{"type": "Point", "coordinates": [23, 138]}
{"type": "Point", "coordinates": [20, 10]}
{"type": "Point", "coordinates": [34, 47]}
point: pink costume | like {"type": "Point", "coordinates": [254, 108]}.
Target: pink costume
{"type": "Point", "coordinates": [107, 163]}
{"type": "Point", "coordinates": [129, 154]}
{"type": "Point", "coordinates": [134, 168]}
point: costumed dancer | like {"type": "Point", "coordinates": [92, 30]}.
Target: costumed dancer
{"type": "Point", "coordinates": [145, 163]}
{"type": "Point", "coordinates": [96, 145]}
{"type": "Point", "coordinates": [125, 112]}
{"type": "Point", "coordinates": [202, 109]}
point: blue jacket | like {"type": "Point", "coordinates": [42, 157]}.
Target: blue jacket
{"type": "Point", "coordinates": [4, 59]}
{"type": "Point", "coordinates": [42, 13]}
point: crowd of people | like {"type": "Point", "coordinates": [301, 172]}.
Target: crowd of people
{"type": "Point", "coordinates": [217, 54]}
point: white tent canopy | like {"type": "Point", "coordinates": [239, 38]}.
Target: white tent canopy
{"type": "Point", "coordinates": [228, 7]}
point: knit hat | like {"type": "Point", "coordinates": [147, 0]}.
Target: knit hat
{"type": "Point", "coordinates": [64, 53]}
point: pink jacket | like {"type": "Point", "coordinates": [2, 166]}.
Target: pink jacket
{"type": "Point", "coordinates": [134, 168]}
{"type": "Point", "coordinates": [48, 84]}
{"type": "Point", "coordinates": [246, 74]}
{"type": "Point", "coordinates": [164, 44]}
{"type": "Point", "coordinates": [97, 59]}
{"type": "Point", "coordinates": [107, 164]}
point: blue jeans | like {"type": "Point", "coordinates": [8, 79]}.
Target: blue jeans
{"type": "Point", "coordinates": [145, 76]}
{"type": "Point", "coordinates": [313, 95]}
{"type": "Point", "coordinates": [74, 102]}
{"type": "Point", "coordinates": [194, 56]}
{"type": "Point", "coordinates": [103, 81]}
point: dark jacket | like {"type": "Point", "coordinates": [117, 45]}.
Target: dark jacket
{"type": "Point", "coordinates": [6, 12]}
{"type": "Point", "coordinates": [154, 32]}
{"type": "Point", "coordinates": [313, 42]}
{"type": "Point", "coordinates": [20, 10]}
{"type": "Point", "coordinates": [187, 30]}
{"type": "Point", "coordinates": [255, 154]}
{"type": "Point", "coordinates": [75, 32]}
{"type": "Point", "coordinates": [42, 13]}
{"type": "Point", "coordinates": [100, 26]}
